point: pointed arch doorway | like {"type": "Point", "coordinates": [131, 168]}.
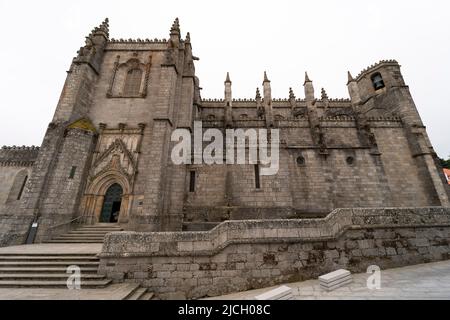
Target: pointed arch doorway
{"type": "Point", "coordinates": [111, 204]}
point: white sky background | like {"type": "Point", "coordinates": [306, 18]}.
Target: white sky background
{"type": "Point", "coordinates": [286, 38]}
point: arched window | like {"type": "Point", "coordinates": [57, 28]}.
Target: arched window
{"type": "Point", "coordinates": [377, 81]}
{"type": "Point", "coordinates": [133, 82]}
{"type": "Point", "coordinates": [18, 186]}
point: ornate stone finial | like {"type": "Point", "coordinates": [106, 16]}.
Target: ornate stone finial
{"type": "Point", "coordinates": [265, 77]}
{"type": "Point", "coordinates": [350, 77]}
{"type": "Point", "coordinates": [188, 38]}
{"type": "Point", "coordinates": [175, 27]}
{"type": "Point", "coordinates": [102, 29]}
{"type": "Point", "coordinates": [307, 78]}
{"type": "Point", "coordinates": [227, 80]}
{"type": "Point", "coordinates": [258, 94]}
{"type": "Point", "coordinates": [291, 94]}
{"type": "Point", "coordinates": [324, 94]}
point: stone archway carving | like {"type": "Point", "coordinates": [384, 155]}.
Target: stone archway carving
{"type": "Point", "coordinates": [95, 194]}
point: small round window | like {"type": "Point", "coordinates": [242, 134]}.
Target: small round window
{"type": "Point", "coordinates": [300, 161]}
{"type": "Point", "coordinates": [350, 160]}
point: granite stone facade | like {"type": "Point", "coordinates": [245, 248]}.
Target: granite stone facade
{"type": "Point", "coordinates": [122, 100]}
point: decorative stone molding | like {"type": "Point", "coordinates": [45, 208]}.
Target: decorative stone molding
{"type": "Point", "coordinates": [116, 85]}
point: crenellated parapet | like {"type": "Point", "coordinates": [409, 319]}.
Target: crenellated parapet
{"type": "Point", "coordinates": [22, 156]}
{"type": "Point", "coordinates": [138, 40]}
{"type": "Point", "coordinates": [376, 66]}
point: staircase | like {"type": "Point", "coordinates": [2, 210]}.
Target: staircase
{"type": "Point", "coordinates": [48, 270]}
{"type": "Point", "coordinates": [87, 234]}
{"type": "Point", "coordinates": [27, 268]}
{"type": "Point", "coordinates": [138, 293]}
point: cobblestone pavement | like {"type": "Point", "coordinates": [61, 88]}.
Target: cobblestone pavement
{"type": "Point", "coordinates": [424, 281]}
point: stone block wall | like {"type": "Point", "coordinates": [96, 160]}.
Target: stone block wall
{"type": "Point", "coordinates": [243, 255]}
{"type": "Point", "coordinates": [15, 169]}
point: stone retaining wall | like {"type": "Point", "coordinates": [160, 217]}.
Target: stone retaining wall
{"type": "Point", "coordinates": [243, 255]}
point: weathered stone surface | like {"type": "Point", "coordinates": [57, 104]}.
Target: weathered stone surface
{"type": "Point", "coordinates": [267, 261]}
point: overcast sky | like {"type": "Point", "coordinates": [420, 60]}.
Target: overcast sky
{"type": "Point", "coordinates": [285, 38]}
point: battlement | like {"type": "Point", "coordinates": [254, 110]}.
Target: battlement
{"type": "Point", "coordinates": [18, 155]}
{"type": "Point", "coordinates": [375, 66]}
{"type": "Point", "coordinates": [138, 40]}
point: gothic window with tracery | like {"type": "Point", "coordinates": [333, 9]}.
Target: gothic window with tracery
{"type": "Point", "coordinates": [133, 82]}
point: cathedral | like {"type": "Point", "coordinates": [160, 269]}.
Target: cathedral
{"type": "Point", "coordinates": [106, 154]}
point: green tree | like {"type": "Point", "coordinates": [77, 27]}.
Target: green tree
{"type": "Point", "coordinates": [445, 163]}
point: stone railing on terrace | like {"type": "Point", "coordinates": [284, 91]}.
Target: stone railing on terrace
{"type": "Point", "coordinates": [139, 244]}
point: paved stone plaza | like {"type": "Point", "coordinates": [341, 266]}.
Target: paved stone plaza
{"type": "Point", "coordinates": [424, 281]}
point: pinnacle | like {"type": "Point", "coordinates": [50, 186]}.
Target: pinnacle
{"type": "Point", "coordinates": [324, 94]}
{"type": "Point", "coordinates": [350, 77]}
{"type": "Point", "coordinates": [291, 94]}
{"type": "Point", "coordinates": [265, 77]}
{"type": "Point", "coordinates": [103, 28]}
{"type": "Point", "coordinates": [175, 26]}
{"type": "Point", "coordinates": [258, 95]}
{"type": "Point", "coordinates": [188, 38]}
{"type": "Point", "coordinates": [227, 80]}
{"type": "Point", "coordinates": [307, 78]}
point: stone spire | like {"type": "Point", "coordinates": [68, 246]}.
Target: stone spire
{"type": "Point", "coordinates": [102, 29]}
{"type": "Point", "coordinates": [175, 27]}
{"type": "Point", "coordinates": [267, 91]}
{"type": "Point", "coordinates": [228, 97]}
{"type": "Point", "coordinates": [350, 77]}
{"type": "Point", "coordinates": [228, 102]}
{"type": "Point", "coordinates": [228, 78]}
{"type": "Point", "coordinates": [309, 89]}
{"type": "Point", "coordinates": [93, 49]}
{"type": "Point", "coordinates": [307, 78]}
{"type": "Point", "coordinates": [265, 78]}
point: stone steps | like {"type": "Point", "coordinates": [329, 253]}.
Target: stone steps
{"type": "Point", "coordinates": [52, 283]}
{"type": "Point", "coordinates": [87, 234]}
{"type": "Point", "coordinates": [34, 258]}
{"type": "Point", "coordinates": [139, 293]}
{"type": "Point", "coordinates": [48, 263]}
{"type": "Point", "coordinates": [46, 276]}
{"type": "Point", "coordinates": [49, 270]}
